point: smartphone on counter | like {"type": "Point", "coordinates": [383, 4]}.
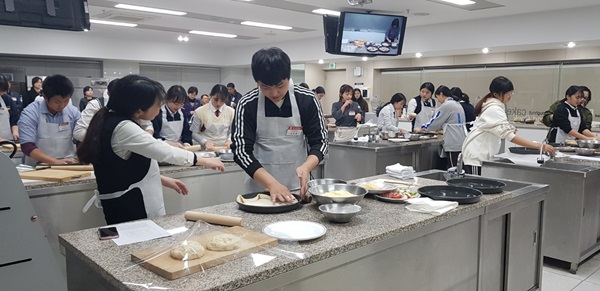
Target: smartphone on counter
{"type": "Point", "coordinates": [108, 233]}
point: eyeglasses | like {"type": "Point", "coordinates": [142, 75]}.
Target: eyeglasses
{"type": "Point", "coordinates": [178, 104]}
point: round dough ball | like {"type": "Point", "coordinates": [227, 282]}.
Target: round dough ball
{"type": "Point", "coordinates": [224, 242]}
{"type": "Point", "coordinates": [188, 250]}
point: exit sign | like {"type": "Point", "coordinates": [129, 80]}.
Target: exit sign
{"type": "Point", "coordinates": [332, 65]}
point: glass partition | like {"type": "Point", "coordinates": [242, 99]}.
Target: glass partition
{"type": "Point", "coordinates": [586, 75]}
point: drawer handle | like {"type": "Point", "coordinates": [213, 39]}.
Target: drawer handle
{"type": "Point", "coordinates": [535, 238]}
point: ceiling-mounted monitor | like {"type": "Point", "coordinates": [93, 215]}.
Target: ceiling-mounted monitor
{"type": "Point", "coordinates": [330, 29]}
{"type": "Point", "coordinates": [51, 14]}
{"type": "Point", "coordinates": [368, 34]}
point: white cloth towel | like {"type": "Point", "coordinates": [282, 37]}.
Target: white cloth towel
{"type": "Point", "coordinates": [426, 205]}
{"type": "Point", "coordinates": [361, 139]}
{"type": "Point", "coordinates": [400, 171]}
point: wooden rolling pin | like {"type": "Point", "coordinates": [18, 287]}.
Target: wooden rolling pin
{"type": "Point", "coordinates": [193, 148]}
{"type": "Point", "coordinates": [213, 218]}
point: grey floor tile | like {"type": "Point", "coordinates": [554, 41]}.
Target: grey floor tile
{"type": "Point", "coordinates": [556, 282]}
{"type": "Point", "coordinates": [587, 286]}
{"type": "Point", "coordinates": [585, 270]}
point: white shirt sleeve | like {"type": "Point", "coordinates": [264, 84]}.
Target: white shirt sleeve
{"type": "Point", "coordinates": [147, 125]}
{"type": "Point", "coordinates": [84, 121]}
{"type": "Point", "coordinates": [412, 105]}
{"type": "Point", "coordinates": [129, 137]}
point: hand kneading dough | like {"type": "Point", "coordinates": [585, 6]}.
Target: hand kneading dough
{"type": "Point", "coordinates": [224, 242]}
{"type": "Point", "coordinates": [190, 251]}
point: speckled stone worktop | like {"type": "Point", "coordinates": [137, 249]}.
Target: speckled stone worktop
{"type": "Point", "coordinates": [378, 221]}
{"type": "Point", "coordinates": [164, 170]}
{"type": "Point", "coordinates": [388, 145]}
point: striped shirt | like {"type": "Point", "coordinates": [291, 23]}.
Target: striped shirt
{"type": "Point", "coordinates": [244, 125]}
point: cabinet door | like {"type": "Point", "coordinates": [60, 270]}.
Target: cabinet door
{"type": "Point", "coordinates": [523, 257]}
{"type": "Point", "coordinates": [589, 220]}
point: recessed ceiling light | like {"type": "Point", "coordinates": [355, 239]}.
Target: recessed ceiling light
{"type": "Point", "coordinates": [326, 11]}
{"type": "Point", "coordinates": [485, 50]}
{"type": "Point", "coordinates": [365, 59]}
{"type": "Point", "coordinates": [418, 55]}
{"type": "Point", "coordinates": [217, 34]}
{"type": "Point", "coordinates": [266, 25]}
{"type": "Point", "coordinates": [571, 44]}
{"type": "Point", "coordinates": [113, 23]}
{"type": "Point", "coordinates": [86, 30]}
{"type": "Point", "coordinates": [183, 38]}
{"type": "Point", "coordinates": [459, 2]}
{"type": "Point", "coordinates": [321, 61]}
{"type": "Point", "coordinates": [149, 9]}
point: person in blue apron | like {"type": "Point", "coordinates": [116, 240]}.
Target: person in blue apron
{"type": "Point", "coordinates": [347, 114]}
{"type": "Point", "coordinates": [387, 115]}
{"type": "Point", "coordinates": [46, 127]}
{"type": "Point", "coordinates": [171, 125]}
{"type": "Point", "coordinates": [450, 117]}
{"type": "Point", "coordinates": [279, 135]}
{"type": "Point", "coordinates": [9, 114]}
{"type": "Point", "coordinates": [421, 108]}
{"type": "Point", "coordinates": [568, 122]}
{"type": "Point", "coordinates": [125, 156]}
{"type": "Point", "coordinates": [211, 125]}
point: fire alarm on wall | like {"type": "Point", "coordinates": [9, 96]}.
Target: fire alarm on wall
{"type": "Point", "coordinates": [357, 71]}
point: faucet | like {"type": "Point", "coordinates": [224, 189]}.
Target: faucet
{"type": "Point", "coordinates": [456, 172]}
{"type": "Point", "coordinates": [540, 159]}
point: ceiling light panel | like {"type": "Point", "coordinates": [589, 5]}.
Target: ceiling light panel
{"type": "Point", "coordinates": [150, 9]}
{"type": "Point", "coordinates": [467, 5]}
{"type": "Point", "coordinates": [217, 34]}
{"type": "Point", "coordinates": [266, 25]}
{"type": "Point", "coordinates": [96, 21]}
{"type": "Point", "coordinates": [326, 11]}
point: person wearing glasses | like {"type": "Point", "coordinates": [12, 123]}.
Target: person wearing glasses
{"type": "Point", "coordinates": [587, 114]}
{"type": "Point", "coordinates": [567, 120]}
{"type": "Point", "coordinates": [171, 125]}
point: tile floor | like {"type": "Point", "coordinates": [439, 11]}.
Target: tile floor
{"type": "Point", "coordinates": [586, 279]}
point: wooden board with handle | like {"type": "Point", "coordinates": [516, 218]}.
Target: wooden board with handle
{"type": "Point", "coordinates": [166, 266]}
{"type": "Point", "coordinates": [10, 147]}
{"type": "Point", "coordinates": [53, 175]}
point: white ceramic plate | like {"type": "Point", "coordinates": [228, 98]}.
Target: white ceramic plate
{"type": "Point", "coordinates": [396, 200]}
{"type": "Point", "coordinates": [382, 187]}
{"type": "Point", "coordinates": [295, 230]}
{"type": "Point", "coordinates": [398, 139]}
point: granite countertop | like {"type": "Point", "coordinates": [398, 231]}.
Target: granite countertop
{"type": "Point", "coordinates": [164, 170]}
{"type": "Point", "coordinates": [378, 221]}
{"type": "Point", "coordinates": [385, 144]}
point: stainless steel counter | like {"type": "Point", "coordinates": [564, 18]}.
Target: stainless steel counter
{"type": "Point", "coordinates": [489, 245]}
{"type": "Point", "coordinates": [353, 160]}
{"type": "Point", "coordinates": [572, 218]}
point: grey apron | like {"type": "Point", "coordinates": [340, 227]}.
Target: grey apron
{"type": "Point", "coordinates": [279, 153]}
{"type": "Point", "coordinates": [55, 140]}
{"type": "Point", "coordinates": [425, 115]}
{"type": "Point", "coordinates": [5, 128]}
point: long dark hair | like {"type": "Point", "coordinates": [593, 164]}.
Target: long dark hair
{"type": "Point", "coordinates": [219, 92]}
{"type": "Point", "coordinates": [427, 85]}
{"type": "Point", "coordinates": [459, 94]}
{"type": "Point", "coordinates": [129, 95]}
{"type": "Point", "coordinates": [176, 94]}
{"type": "Point", "coordinates": [572, 90]}
{"type": "Point", "coordinates": [354, 91]}
{"type": "Point", "coordinates": [398, 97]}
{"type": "Point", "coordinates": [500, 86]}
{"type": "Point", "coordinates": [443, 90]}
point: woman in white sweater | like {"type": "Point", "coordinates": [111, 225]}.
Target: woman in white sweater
{"type": "Point", "coordinates": [387, 115]}
{"type": "Point", "coordinates": [491, 126]}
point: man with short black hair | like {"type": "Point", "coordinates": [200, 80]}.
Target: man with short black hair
{"type": "Point", "coordinates": [234, 95]}
{"type": "Point", "coordinates": [272, 126]}
{"type": "Point", "coordinates": [191, 103]}
{"type": "Point", "coordinates": [9, 113]}
{"type": "Point", "coordinates": [46, 127]}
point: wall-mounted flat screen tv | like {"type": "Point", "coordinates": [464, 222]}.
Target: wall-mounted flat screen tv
{"type": "Point", "coordinates": [51, 14]}
{"type": "Point", "coordinates": [330, 29]}
{"type": "Point", "coordinates": [370, 34]}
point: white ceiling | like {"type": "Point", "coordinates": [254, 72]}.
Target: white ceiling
{"type": "Point", "coordinates": [226, 15]}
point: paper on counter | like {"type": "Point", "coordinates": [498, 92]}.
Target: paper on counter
{"type": "Point", "coordinates": [427, 205]}
{"type": "Point", "coordinates": [139, 231]}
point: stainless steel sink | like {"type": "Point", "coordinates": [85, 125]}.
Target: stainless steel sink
{"type": "Point", "coordinates": [568, 167]}
{"type": "Point", "coordinates": [440, 176]}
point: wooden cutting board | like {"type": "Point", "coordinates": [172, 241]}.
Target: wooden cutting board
{"type": "Point", "coordinates": [169, 268]}
{"type": "Point", "coordinates": [216, 148]}
{"type": "Point", "coordinates": [67, 167]}
{"type": "Point", "coordinates": [10, 147]}
{"type": "Point", "coordinates": [53, 175]}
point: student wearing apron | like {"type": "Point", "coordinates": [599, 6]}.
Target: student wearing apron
{"type": "Point", "coordinates": [567, 122]}
{"type": "Point", "coordinates": [9, 114]}
{"type": "Point", "coordinates": [451, 118]}
{"type": "Point", "coordinates": [492, 126]}
{"type": "Point", "coordinates": [387, 116]}
{"type": "Point", "coordinates": [46, 127]}
{"type": "Point", "coordinates": [272, 126]}
{"type": "Point", "coordinates": [171, 125]}
{"type": "Point", "coordinates": [211, 125]}
{"type": "Point", "coordinates": [346, 113]}
{"type": "Point", "coordinates": [421, 108]}
{"type": "Point", "coordinates": [125, 157]}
